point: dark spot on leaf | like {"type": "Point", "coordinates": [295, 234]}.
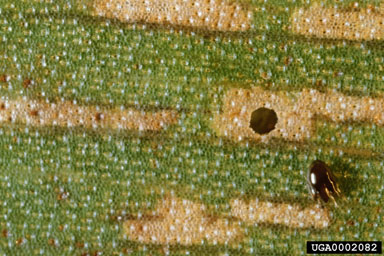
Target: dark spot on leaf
{"type": "Point", "coordinates": [51, 242]}
{"type": "Point", "coordinates": [265, 76]}
{"type": "Point", "coordinates": [27, 82]}
{"type": "Point", "coordinates": [79, 244]}
{"type": "Point", "coordinates": [19, 241]}
{"type": "Point", "coordinates": [287, 61]}
{"type": "Point", "coordinates": [99, 116]}
{"type": "Point", "coordinates": [319, 83]}
{"type": "Point", "coordinates": [350, 223]}
{"type": "Point", "coordinates": [34, 113]}
{"type": "Point", "coordinates": [62, 196]}
{"type": "Point", "coordinates": [5, 233]}
{"type": "Point", "coordinates": [3, 78]}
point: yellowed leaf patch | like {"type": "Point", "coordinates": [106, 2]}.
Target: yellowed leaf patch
{"type": "Point", "coordinates": [221, 15]}
{"type": "Point", "coordinates": [180, 221]}
{"type": "Point", "coordinates": [359, 24]}
{"type": "Point", "coordinates": [295, 112]}
{"type": "Point", "coordinates": [68, 114]}
{"type": "Point", "coordinates": [290, 215]}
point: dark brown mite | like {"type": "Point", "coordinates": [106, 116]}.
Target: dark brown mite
{"type": "Point", "coordinates": [321, 181]}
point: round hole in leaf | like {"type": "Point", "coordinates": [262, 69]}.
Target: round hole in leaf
{"type": "Point", "coordinates": [263, 120]}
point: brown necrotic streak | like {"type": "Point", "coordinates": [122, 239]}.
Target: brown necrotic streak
{"type": "Point", "coordinates": [295, 114]}
{"type": "Point", "coordinates": [180, 221]}
{"type": "Point", "coordinates": [220, 15]}
{"type": "Point", "coordinates": [334, 23]}
{"type": "Point", "coordinates": [67, 114]}
{"type": "Point", "coordinates": [290, 215]}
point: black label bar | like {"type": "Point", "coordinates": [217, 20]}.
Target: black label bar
{"type": "Point", "coordinates": [344, 247]}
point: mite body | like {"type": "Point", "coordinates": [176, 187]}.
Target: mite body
{"type": "Point", "coordinates": [321, 181]}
